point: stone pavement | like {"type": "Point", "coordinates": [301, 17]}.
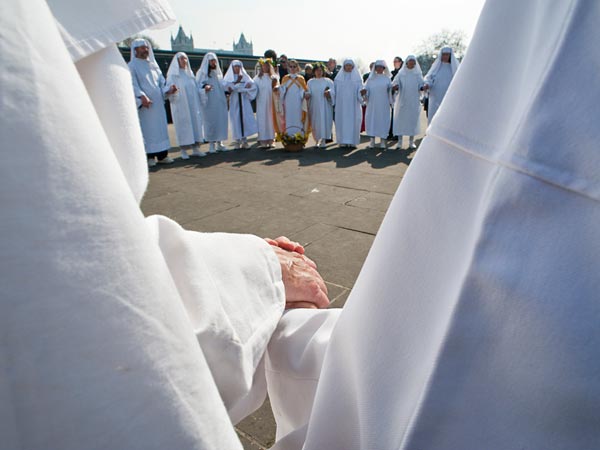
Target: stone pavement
{"type": "Point", "coordinates": [330, 200]}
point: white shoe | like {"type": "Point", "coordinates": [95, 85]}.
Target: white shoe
{"type": "Point", "coordinates": [372, 143]}
{"type": "Point", "coordinates": [398, 146]}
{"type": "Point", "coordinates": [166, 160]}
{"type": "Point", "coordinates": [198, 153]}
{"type": "Point", "coordinates": [211, 148]}
{"type": "Point", "coordinates": [220, 147]}
{"type": "Point", "coordinates": [245, 144]}
{"type": "Point", "coordinates": [412, 145]}
{"type": "Point", "coordinates": [236, 146]}
{"type": "Point", "coordinates": [322, 144]}
{"type": "Point", "coordinates": [151, 162]}
{"type": "Point", "coordinates": [184, 154]}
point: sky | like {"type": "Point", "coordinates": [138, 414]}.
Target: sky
{"type": "Point", "coordinates": [320, 29]}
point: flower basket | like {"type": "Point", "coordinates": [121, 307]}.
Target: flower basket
{"type": "Point", "coordinates": [293, 142]}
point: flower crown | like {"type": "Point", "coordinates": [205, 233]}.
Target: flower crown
{"type": "Point", "coordinates": [319, 64]}
{"type": "Point", "coordinates": [262, 61]}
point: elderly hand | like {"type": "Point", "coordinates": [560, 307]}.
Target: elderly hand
{"type": "Point", "coordinates": [286, 244]}
{"type": "Point", "coordinates": [304, 287]}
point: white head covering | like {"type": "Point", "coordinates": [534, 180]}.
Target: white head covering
{"type": "Point", "coordinates": [405, 70]}
{"type": "Point", "coordinates": [202, 73]}
{"type": "Point", "coordinates": [140, 43]}
{"type": "Point", "coordinates": [230, 77]}
{"type": "Point", "coordinates": [386, 71]}
{"type": "Point", "coordinates": [344, 76]}
{"type": "Point", "coordinates": [437, 64]}
{"type": "Point", "coordinates": [174, 68]}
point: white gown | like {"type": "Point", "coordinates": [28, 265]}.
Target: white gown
{"type": "Point", "coordinates": [243, 122]}
{"type": "Point", "coordinates": [321, 108]}
{"type": "Point", "coordinates": [264, 108]}
{"type": "Point", "coordinates": [438, 85]}
{"type": "Point", "coordinates": [494, 343]}
{"type": "Point", "coordinates": [348, 112]}
{"type": "Point", "coordinates": [377, 115]}
{"type": "Point", "coordinates": [292, 99]}
{"type": "Point", "coordinates": [147, 79]}
{"type": "Point", "coordinates": [185, 109]}
{"type": "Point", "coordinates": [214, 109]}
{"type": "Point", "coordinates": [118, 331]}
{"type": "Point", "coordinates": [407, 105]}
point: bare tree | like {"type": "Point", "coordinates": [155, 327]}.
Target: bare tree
{"type": "Point", "coordinates": [127, 42]}
{"type": "Point", "coordinates": [430, 47]}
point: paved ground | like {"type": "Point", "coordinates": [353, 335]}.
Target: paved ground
{"type": "Point", "coordinates": [330, 200]}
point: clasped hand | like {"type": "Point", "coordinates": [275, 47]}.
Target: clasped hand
{"type": "Point", "coordinates": [304, 286]}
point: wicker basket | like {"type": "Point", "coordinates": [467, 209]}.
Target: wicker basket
{"type": "Point", "coordinates": [293, 147]}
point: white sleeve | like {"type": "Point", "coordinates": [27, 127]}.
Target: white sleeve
{"type": "Point", "coordinates": [231, 288]}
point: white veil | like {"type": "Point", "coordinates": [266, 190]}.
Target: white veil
{"type": "Point", "coordinates": [343, 76]}
{"type": "Point", "coordinates": [386, 71]}
{"type": "Point", "coordinates": [435, 67]}
{"type": "Point", "coordinates": [139, 43]}
{"type": "Point", "coordinates": [202, 73]}
{"type": "Point", "coordinates": [405, 70]}
{"type": "Point", "coordinates": [174, 66]}
{"type": "Point", "coordinates": [230, 77]}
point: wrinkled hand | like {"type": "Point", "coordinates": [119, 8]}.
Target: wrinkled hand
{"type": "Point", "coordinates": [304, 287]}
{"type": "Point", "coordinates": [146, 102]}
{"type": "Point", "coordinates": [286, 244]}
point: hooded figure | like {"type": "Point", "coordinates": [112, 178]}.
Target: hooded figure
{"type": "Point", "coordinates": [242, 91]}
{"type": "Point", "coordinates": [348, 113]}
{"type": "Point", "coordinates": [213, 102]}
{"type": "Point", "coordinates": [150, 88]}
{"type": "Point", "coordinates": [185, 105]}
{"type": "Point", "coordinates": [438, 79]}
{"type": "Point", "coordinates": [378, 95]}
{"type": "Point", "coordinates": [408, 84]}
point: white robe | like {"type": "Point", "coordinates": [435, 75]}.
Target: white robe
{"type": "Point", "coordinates": [242, 122]}
{"type": "Point", "coordinates": [118, 331]}
{"type": "Point", "coordinates": [292, 99]}
{"type": "Point", "coordinates": [185, 109]}
{"type": "Point", "coordinates": [148, 80]}
{"type": "Point", "coordinates": [214, 109]}
{"type": "Point", "coordinates": [438, 85]}
{"type": "Point", "coordinates": [264, 108]}
{"type": "Point", "coordinates": [348, 112]}
{"type": "Point", "coordinates": [407, 104]}
{"type": "Point", "coordinates": [321, 108]}
{"type": "Point", "coordinates": [494, 343]}
{"type": "Point", "coordinates": [379, 101]}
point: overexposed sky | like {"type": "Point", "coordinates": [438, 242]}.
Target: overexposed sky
{"type": "Point", "coordinates": [319, 29]}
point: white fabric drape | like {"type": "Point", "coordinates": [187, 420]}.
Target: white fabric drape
{"type": "Point", "coordinates": [493, 341]}
{"type": "Point", "coordinates": [438, 78]}
{"type": "Point", "coordinates": [117, 331]}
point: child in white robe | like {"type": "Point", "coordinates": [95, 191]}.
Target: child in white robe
{"type": "Point", "coordinates": [321, 92]}
{"type": "Point", "coordinates": [407, 85]}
